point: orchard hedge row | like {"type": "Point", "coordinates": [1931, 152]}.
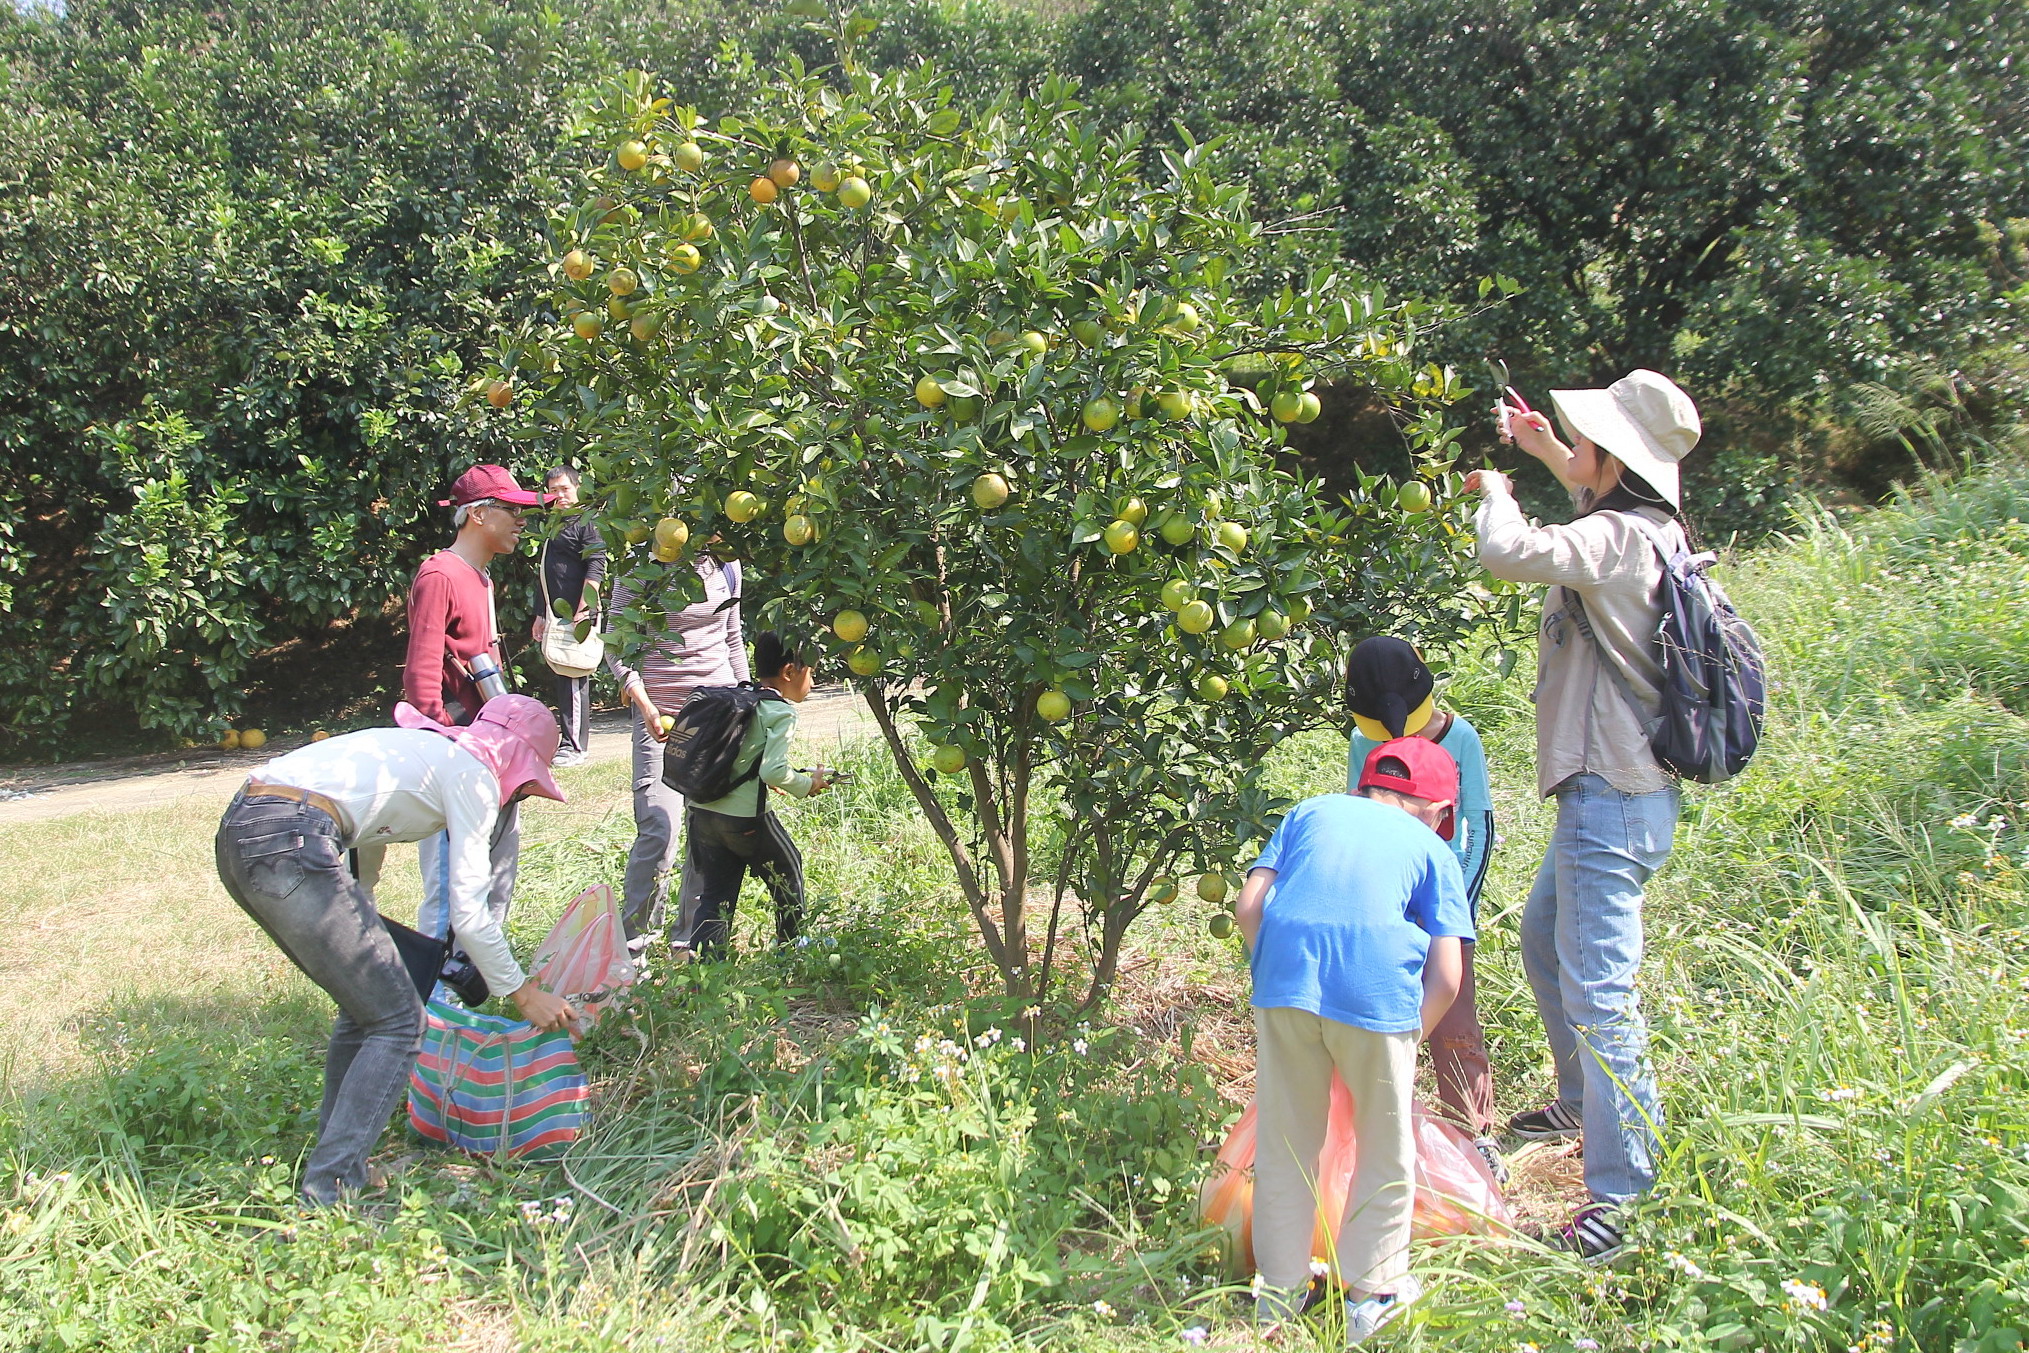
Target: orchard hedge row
{"type": "Point", "coordinates": [255, 251]}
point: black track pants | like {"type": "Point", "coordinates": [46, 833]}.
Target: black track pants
{"type": "Point", "coordinates": [721, 850]}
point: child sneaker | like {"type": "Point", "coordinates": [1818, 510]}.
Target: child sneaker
{"type": "Point", "coordinates": [1551, 1121]}
{"type": "Point", "coordinates": [1365, 1318]}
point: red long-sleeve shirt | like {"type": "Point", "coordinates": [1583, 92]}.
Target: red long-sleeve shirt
{"type": "Point", "coordinates": [450, 617]}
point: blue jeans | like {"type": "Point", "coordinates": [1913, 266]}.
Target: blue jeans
{"type": "Point", "coordinates": [284, 863]}
{"type": "Point", "coordinates": [1581, 947]}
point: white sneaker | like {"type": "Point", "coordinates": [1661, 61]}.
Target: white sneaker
{"type": "Point", "coordinates": [1365, 1318]}
{"type": "Point", "coordinates": [1497, 1164]}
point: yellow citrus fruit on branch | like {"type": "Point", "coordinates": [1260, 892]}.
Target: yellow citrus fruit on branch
{"type": "Point", "coordinates": [689, 157]}
{"type": "Point", "coordinates": [1054, 706]}
{"type": "Point", "coordinates": [1212, 888]}
{"type": "Point", "coordinates": [1271, 625]}
{"type": "Point", "coordinates": [578, 265]}
{"type": "Point", "coordinates": [587, 325]}
{"type": "Point", "coordinates": [1220, 927]}
{"type": "Point", "coordinates": [631, 155]}
{"type": "Point", "coordinates": [855, 192]}
{"type": "Point", "coordinates": [1121, 537]}
{"type": "Point", "coordinates": [1286, 405]}
{"type": "Point", "coordinates": [864, 662]}
{"type": "Point", "coordinates": [948, 760]}
{"type": "Point", "coordinates": [826, 177]}
{"type": "Point", "coordinates": [697, 227]}
{"type": "Point", "coordinates": [1177, 594]}
{"type": "Point", "coordinates": [1195, 618]}
{"type": "Point", "coordinates": [1211, 687]}
{"type": "Point", "coordinates": [785, 173]}
{"type": "Point", "coordinates": [623, 281]}
{"type": "Point", "coordinates": [1308, 408]}
{"type": "Point", "coordinates": [1237, 635]}
{"type": "Point", "coordinates": [850, 626]}
{"type": "Point", "coordinates": [799, 530]}
{"type": "Point", "coordinates": [685, 259]}
{"type": "Point", "coordinates": [763, 190]}
{"type": "Point", "coordinates": [1233, 536]}
{"type": "Point", "coordinates": [743, 506]}
{"type": "Point", "coordinates": [989, 491]}
{"type": "Point", "coordinates": [499, 394]}
{"type": "Point", "coordinates": [929, 393]}
{"type": "Point", "coordinates": [1414, 496]}
{"type": "Point", "coordinates": [671, 535]}
{"type": "Point", "coordinates": [1101, 414]}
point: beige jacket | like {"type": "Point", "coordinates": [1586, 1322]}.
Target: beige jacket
{"type": "Point", "coordinates": [1583, 719]}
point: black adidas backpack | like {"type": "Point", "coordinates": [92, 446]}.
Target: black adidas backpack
{"type": "Point", "coordinates": [703, 747]}
{"type": "Point", "coordinates": [1715, 679]}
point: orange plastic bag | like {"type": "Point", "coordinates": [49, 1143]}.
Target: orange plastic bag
{"type": "Point", "coordinates": [584, 958]}
{"type": "Point", "coordinates": [1455, 1194]}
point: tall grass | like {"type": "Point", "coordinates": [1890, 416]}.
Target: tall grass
{"type": "Point", "coordinates": [843, 1147]}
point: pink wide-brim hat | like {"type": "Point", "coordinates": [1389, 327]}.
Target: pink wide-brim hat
{"type": "Point", "coordinates": [515, 736]}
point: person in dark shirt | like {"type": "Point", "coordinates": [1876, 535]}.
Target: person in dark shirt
{"type": "Point", "coordinates": [573, 566]}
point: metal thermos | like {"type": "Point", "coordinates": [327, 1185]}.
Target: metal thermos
{"type": "Point", "coordinates": [486, 674]}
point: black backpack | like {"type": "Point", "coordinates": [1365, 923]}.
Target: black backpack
{"type": "Point", "coordinates": [1715, 678]}
{"type": "Point", "coordinates": [703, 747]}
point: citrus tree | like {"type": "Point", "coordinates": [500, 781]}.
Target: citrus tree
{"type": "Point", "coordinates": [995, 413]}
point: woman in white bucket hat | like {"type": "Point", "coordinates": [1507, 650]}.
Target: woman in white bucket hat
{"type": "Point", "coordinates": [1616, 807]}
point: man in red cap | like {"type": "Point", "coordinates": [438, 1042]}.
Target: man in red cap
{"type": "Point", "coordinates": [454, 645]}
{"type": "Point", "coordinates": [1354, 916]}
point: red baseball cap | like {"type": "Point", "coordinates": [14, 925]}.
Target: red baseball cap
{"type": "Point", "coordinates": [491, 483]}
{"type": "Point", "coordinates": [1433, 775]}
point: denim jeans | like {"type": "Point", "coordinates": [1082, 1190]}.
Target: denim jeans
{"type": "Point", "coordinates": [1581, 947]}
{"type": "Point", "coordinates": [284, 863]}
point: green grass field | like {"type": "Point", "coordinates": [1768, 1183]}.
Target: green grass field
{"type": "Point", "coordinates": [823, 1152]}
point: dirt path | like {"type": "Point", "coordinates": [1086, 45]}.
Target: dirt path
{"type": "Point", "coordinates": [125, 784]}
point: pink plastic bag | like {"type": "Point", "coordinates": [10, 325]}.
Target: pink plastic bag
{"type": "Point", "coordinates": [1455, 1194]}
{"type": "Point", "coordinates": [584, 959]}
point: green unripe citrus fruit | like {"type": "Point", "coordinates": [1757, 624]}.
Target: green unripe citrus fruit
{"type": "Point", "coordinates": [948, 760]}
{"type": "Point", "coordinates": [1211, 687]}
{"type": "Point", "coordinates": [1414, 497]}
{"type": "Point", "coordinates": [688, 157]}
{"type": "Point", "coordinates": [1101, 415]}
{"type": "Point", "coordinates": [1177, 594]}
{"type": "Point", "coordinates": [1212, 888]}
{"type": "Point", "coordinates": [1286, 405]}
{"type": "Point", "coordinates": [1121, 537]}
{"type": "Point", "coordinates": [1176, 529]}
{"type": "Point", "coordinates": [1237, 635]}
{"type": "Point", "coordinates": [623, 281]}
{"type": "Point", "coordinates": [855, 193]}
{"type": "Point", "coordinates": [1195, 618]}
{"type": "Point", "coordinates": [1233, 536]}
{"type": "Point", "coordinates": [1220, 927]}
{"type": "Point", "coordinates": [1271, 625]}
{"type": "Point", "coordinates": [1054, 706]}
{"type": "Point", "coordinates": [864, 662]}
{"type": "Point", "coordinates": [1309, 408]}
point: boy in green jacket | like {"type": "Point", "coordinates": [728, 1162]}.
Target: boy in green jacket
{"type": "Point", "coordinates": [726, 837]}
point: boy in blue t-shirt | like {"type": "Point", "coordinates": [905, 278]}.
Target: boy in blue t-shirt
{"type": "Point", "coordinates": [1391, 695]}
{"type": "Point", "coordinates": [1354, 915]}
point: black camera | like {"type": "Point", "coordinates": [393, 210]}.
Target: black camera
{"type": "Point", "coordinates": [464, 979]}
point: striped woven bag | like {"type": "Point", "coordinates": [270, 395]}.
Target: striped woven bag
{"type": "Point", "coordinates": [495, 1086]}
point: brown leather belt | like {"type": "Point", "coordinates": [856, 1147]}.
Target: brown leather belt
{"type": "Point", "coordinates": [255, 789]}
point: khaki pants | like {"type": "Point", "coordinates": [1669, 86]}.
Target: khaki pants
{"type": "Point", "coordinates": [1297, 1053]}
